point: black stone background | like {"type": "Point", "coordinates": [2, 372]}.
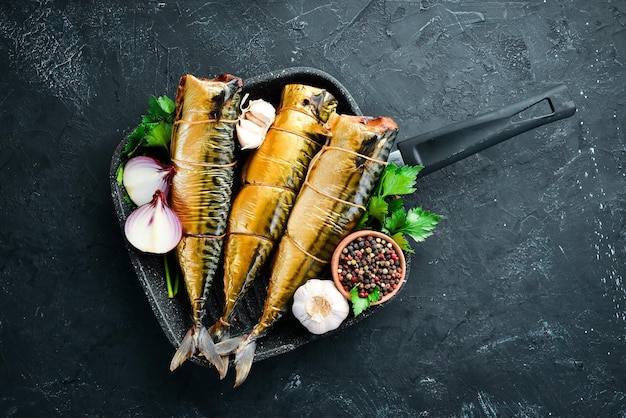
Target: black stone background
{"type": "Point", "coordinates": [515, 307]}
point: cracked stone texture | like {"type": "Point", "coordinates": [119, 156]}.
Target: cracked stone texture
{"type": "Point", "coordinates": [515, 307]}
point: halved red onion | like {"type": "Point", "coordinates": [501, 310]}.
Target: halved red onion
{"type": "Point", "coordinates": [143, 176]}
{"type": "Point", "coordinates": [154, 227]}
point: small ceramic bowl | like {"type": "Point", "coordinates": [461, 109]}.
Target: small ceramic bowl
{"type": "Point", "coordinates": [392, 253]}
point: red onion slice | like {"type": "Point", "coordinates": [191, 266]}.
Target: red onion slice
{"type": "Point", "coordinates": [143, 176]}
{"type": "Point", "coordinates": [154, 227]}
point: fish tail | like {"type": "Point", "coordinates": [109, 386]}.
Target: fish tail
{"type": "Point", "coordinates": [197, 339]}
{"type": "Point", "coordinates": [219, 331]}
{"type": "Point", "coordinates": [244, 356]}
{"type": "Point", "coordinates": [225, 364]}
{"type": "Point", "coordinates": [228, 346]}
{"type": "Point", "coordinates": [186, 350]}
{"type": "Point", "coordinates": [243, 347]}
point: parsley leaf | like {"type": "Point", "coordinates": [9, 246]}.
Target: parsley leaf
{"type": "Point", "coordinates": [395, 204]}
{"type": "Point", "coordinates": [395, 222]}
{"type": "Point", "coordinates": [398, 180]}
{"type": "Point", "coordinates": [402, 242]}
{"type": "Point", "coordinates": [162, 108]}
{"type": "Point", "coordinates": [155, 128]}
{"type": "Point", "coordinates": [377, 208]}
{"type": "Point", "coordinates": [158, 134]}
{"type": "Point", "coordinates": [360, 304]}
{"type": "Point", "coordinates": [417, 223]}
{"type": "Point", "coordinates": [420, 224]}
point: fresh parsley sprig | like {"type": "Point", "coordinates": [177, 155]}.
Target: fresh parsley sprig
{"type": "Point", "coordinates": [155, 128]}
{"type": "Point", "coordinates": [385, 209]}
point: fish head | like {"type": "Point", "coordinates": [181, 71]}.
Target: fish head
{"type": "Point", "coordinates": [314, 101]}
{"type": "Point", "coordinates": [226, 100]}
{"type": "Point", "coordinates": [202, 98]}
{"type": "Point", "coordinates": [365, 135]}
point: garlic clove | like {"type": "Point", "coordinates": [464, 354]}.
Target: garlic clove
{"type": "Point", "coordinates": [261, 113]}
{"type": "Point", "coordinates": [319, 306]}
{"type": "Point", "coordinates": [254, 122]}
{"type": "Point", "coordinates": [154, 227]}
{"type": "Point", "coordinates": [143, 176]}
{"type": "Point", "coordinates": [250, 135]}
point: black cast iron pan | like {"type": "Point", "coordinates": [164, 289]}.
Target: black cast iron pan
{"type": "Point", "coordinates": [433, 150]}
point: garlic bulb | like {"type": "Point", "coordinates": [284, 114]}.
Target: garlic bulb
{"type": "Point", "coordinates": [254, 122]}
{"type": "Point", "coordinates": [319, 306]}
{"type": "Point", "coordinates": [145, 175]}
{"type": "Point", "coordinates": [154, 227]}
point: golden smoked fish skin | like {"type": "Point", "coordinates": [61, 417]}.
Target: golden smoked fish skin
{"type": "Point", "coordinates": [203, 152]}
{"type": "Point", "coordinates": [338, 185]}
{"type": "Point", "coordinates": [271, 177]}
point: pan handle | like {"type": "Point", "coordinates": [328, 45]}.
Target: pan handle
{"type": "Point", "coordinates": [442, 147]}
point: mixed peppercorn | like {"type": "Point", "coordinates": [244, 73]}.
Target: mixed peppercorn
{"type": "Point", "coordinates": [369, 262]}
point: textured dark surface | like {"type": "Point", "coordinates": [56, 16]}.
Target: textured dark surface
{"type": "Point", "coordinates": [517, 305]}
